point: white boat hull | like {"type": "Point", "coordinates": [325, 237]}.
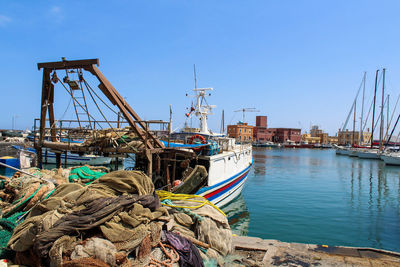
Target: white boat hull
{"type": "Point", "coordinates": [391, 160]}
{"type": "Point", "coordinates": [352, 153]}
{"type": "Point", "coordinates": [228, 173]}
{"type": "Point", "coordinates": [368, 155]}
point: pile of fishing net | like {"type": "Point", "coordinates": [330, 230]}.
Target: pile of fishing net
{"type": "Point", "coordinates": [115, 138]}
{"type": "Point", "coordinates": [22, 192]}
{"type": "Point", "coordinates": [117, 220]}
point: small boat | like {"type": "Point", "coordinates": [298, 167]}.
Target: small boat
{"type": "Point", "coordinates": [49, 157]}
{"type": "Point", "coordinates": [391, 158]}
{"type": "Point", "coordinates": [267, 144]}
{"type": "Point", "coordinates": [368, 154]}
{"type": "Point", "coordinates": [352, 152]}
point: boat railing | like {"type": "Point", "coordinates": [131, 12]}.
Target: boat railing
{"type": "Point", "coordinates": [67, 131]}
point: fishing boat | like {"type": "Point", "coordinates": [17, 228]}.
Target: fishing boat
{"type": "Point", "coordinates": [201, 162]}
{"type": "Point", "coordinates": [227, 163]}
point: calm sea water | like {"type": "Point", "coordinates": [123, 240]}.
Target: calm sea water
{"type": "Point", "coordinates": [315, 196]}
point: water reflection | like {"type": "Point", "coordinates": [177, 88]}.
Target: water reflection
{"type": "Point", "coordinates": [374, 204]}
{"type": "Point", "coordinates": [344, 200]}
{"type": "Point", "coordinates": [238, 216]}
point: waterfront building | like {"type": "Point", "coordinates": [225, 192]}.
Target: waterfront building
{"type": "Point", "coordinates": [260, 131]}
{"type": "Point", "coordinates": [283, 135]}
{"type": "Point", "coordinates": [307, 138]}
{"type": "Point", "coordinates": [332, 140]}
{"type": "Point", "coordinates": [352, 137]}
{"type": "Point", "coordinates": [263, 134]}
{"type": "Point", "coordinates": [242, 132]}
{"type": "Point", "coordinates": [315, 131]}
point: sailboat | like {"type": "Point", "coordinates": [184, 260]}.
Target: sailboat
{"type": "Point", "coordinates": [371, 153]}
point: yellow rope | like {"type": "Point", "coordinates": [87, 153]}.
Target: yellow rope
{"type": "Point", "coordinates": [186, 197]}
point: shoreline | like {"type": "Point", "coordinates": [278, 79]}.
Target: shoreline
{"type": "Point", "coordinates": [271, 252]}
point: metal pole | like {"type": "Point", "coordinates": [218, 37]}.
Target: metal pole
{"type": "Point", "coordinates": [387, 114]}
{"type": "Point", "coordinates": [373, 110]}
{"type": "Point", "coordinates": [361, 139]}
{"type": "Point", "coordinates": [394, 127]}
{"type": "Point", "coordinates": [383, 102]}
{"type": "Point", "coordinates": [354, 123]}
{"type": "Point", "coordinates": [15, 169]}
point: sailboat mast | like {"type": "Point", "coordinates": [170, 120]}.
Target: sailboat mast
{"type": "Point", "coordinates": [223, 122]}
{"type": "Point", "coordinates": [394, 127]}
{"type": "Point", "coordinates": [354, 123]}
{"type": "Point", "coordinates": [383, 102]}
{"type": "Point", "coordinates": [373, 109]}
{"type": "Point", "coordinates": [360, 136]}
{"type": "Point", "coordinates": [387, 114]}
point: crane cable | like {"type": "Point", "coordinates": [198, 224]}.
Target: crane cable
{"type": "Point", "coordinates": [109, 124]}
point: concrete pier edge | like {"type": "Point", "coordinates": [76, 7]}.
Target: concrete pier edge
{"type": "Point", "coordinates": [270, 252]}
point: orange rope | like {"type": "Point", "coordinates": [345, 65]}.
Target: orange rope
{"type": "Point", "coordinates": [171, 257]}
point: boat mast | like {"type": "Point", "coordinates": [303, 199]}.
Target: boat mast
{"type": "Point", "coordinates": [387, 114]}
{"type": "Point", "coordinates": [223, 122]}
{"type": "Point", "coordinates": [360, 136]}
{"type": "Point", "coordinates": [383, 102]}
{"type": "Point", "coordinates": [394, 127]}
{"type": "Point", "coordinates": [201, 111]}
{"type": "Point", "coordinates": [354, 123]}
{"type": "Point", "coordinates": [195, 79]}
{"type": "Point", "coordinates": [195, 87]}
{"type": "Point", "coordinates": [373, 109]}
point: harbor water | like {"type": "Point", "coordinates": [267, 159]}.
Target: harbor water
{"type": "Point", "coordinates": [315, 196]}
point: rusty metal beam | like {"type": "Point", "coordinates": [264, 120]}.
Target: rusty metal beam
{"type": "Point", "coordinates": [68, 64]}
{"type": "Point", "coordinates": [51, 111]}
{"type": "Point", "coordinates": [116, 98]}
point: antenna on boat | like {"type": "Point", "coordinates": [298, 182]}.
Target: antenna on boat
{"type": "Point", "coordinates": [195, 80]}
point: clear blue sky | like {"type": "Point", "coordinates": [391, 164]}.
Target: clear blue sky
{"type": "Point", "coordinates": [299, 62]}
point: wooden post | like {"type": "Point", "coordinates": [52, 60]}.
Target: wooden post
{"type": "Point", "coordinates": [43, 113]}
{"type": "Point", "coordinates": [58, 160]}
{"type": "Point", "coordinates": [149, 163]}
{"type": "Point", "coordinates": [116, 163]}
{"type": "Point", "coordinates": [174, 168]}
{"type": "Point", "coordinates": [168, 180]}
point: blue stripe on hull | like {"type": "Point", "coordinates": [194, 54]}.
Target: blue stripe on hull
{"type": "Point", "coordinates": [207, 188]}
{"type": "Point", "coordinates": [227, 189]}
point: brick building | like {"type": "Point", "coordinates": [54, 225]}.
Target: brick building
{"type": "Point", "coordinates": [282, 135]}
{"type": "Point", "coordinates": [260, 131]}
{"type": "Point", "coordinates": [242, 132]}
{"type": "Point", "coordinates": [263, 134]}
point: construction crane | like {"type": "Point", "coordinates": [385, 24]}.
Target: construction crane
{"type": "Point", "coordinates": [244, 110]}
